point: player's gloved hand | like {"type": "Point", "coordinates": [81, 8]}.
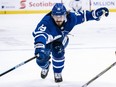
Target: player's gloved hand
{"type": "Point", "coordinates": [40, 52]}
{"type": "Point", "coordinates": [41, 55]}
{"type": "Point", "coordinates": [101, 11]}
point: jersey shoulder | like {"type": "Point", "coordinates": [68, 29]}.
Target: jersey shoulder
{"type": "Point", "coordinates": [75, 18]}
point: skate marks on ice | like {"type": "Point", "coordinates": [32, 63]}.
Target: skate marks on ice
{"type": "Point", "coordinates": [102, 84]}
{"type": "Point", "coordinates": [40, 83]}
{"type": "Point", "coordinates": [79, 84]}
{"type": "Point", "coordinates": [51, 83]}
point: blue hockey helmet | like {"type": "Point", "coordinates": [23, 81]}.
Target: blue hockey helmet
{"type": "Point", "coordinates": [58, 9]}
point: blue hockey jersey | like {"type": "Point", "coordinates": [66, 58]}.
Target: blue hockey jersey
{"type": "Point", "coordinates": [47, 31]}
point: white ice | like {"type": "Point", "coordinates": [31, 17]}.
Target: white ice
{"type": "Point", "coordinates": [91, 50]}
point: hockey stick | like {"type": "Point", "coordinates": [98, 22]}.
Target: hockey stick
{"type": "Point", "coordinates": [101, 73]}
{"type": "Point", "coordinates": [13, 68]}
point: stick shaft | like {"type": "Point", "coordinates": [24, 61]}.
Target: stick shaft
{"type": "Point", "coordinates": [97, 76]}
{"type": "Point", "coordinates": [13, 68]}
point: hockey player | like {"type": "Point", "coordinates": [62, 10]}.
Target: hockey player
{"type": "Point", "coordinates": [76, 5]}
{"type": "Point", "coordinates": [50, 36]}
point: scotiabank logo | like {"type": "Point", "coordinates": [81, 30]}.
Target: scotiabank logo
{"type": "Point", "coordinates": [22, 4]}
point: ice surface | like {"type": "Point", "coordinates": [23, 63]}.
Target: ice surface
{"type": "Point", "coordinates": [91, 50]}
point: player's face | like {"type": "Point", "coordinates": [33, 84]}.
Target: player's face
{"type": "Point", "coordinates": [58, 19]}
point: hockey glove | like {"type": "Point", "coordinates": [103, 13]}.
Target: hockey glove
{"type": "Point", "coordinates": [99, 12]}
{"type": "Point", "coordinates": [102, 11]}
{"type": "Point", "coordinates": [43, 55]}
{"type": "Point", "coordinates": [40, 51]}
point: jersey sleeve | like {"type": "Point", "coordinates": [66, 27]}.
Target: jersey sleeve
{"type": "Point", "coordinates": [40, 35]}
{"type": "Point", "coordinates": [82, 16]}
{"type": "Point", "coordinates": [90, 16]}
{"type": "Point", "coordinates": [77, 18]}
